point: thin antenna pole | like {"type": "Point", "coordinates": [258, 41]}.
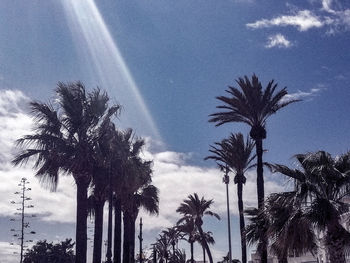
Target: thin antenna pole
{"type": "Point", "coordinates": [226, 180]}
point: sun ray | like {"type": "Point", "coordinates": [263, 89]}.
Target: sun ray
{"type": "Point", "coordinates": [112, 73]}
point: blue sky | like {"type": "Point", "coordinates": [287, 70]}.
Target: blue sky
{"type": "Point", "coordinates": [165, 61]}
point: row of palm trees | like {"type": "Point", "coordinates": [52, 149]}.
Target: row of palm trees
{"type": "Point", "coordinates": [314, 213]}
{"type": "Point", "coordinates": [190, 228]}
{"type": "Point", "coordinates": [252, 105]}
{"type": "Point", "coordinates": [75, 135]}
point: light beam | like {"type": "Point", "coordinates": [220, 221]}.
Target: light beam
{"type": "Point", "coordinates": [112, 74]}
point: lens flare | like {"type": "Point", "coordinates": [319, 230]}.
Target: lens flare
{"type": "Point", "coordinates": [109, 68]}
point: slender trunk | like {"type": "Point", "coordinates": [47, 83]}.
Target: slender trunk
{"type": "Point", "coordinates": [98, 231]}
{"type": "Point", "coordinates": [205, 244]}
{"type": "Point", "coordinates": [117, 231]}
{"type": "Point", "coordinates": [241, 221]}
{"type": "Point", "coordinates": [260, 173]}
{"type": "Point", "coordinates": [203, 253]}
{"type": "Point", "coordinates": [132, 238]}
{"type": "Point", "coordinates": [110, 226]}
{"type": "Point", "coordinates": [191, 243]}
{"type": "Point", "coordinates": [129, 235]}
{"type": "Point", "coordinates": [81, 221]}
{"type": "Point", "coordinates": [260, 187]}
{"type": "Point", "coordinates": [226, 180]}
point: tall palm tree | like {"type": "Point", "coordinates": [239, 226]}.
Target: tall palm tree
{"type": "Point", "coordinates": [236, 154]}
{"type": "Point", "coordinates": [321, 183]}
{"type": "Point", "coordinates": [64, 139]}
{"type": "Point", "coordinates": [137, 192]}
{"type": "Point", "coordinates": [195, 208]}
{"type": "Point", "coordinates": [252, 105]}
{"type": "Point", "coordinates": [126, 149]}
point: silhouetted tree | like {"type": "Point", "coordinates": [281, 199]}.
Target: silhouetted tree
{"type": "Point", "coordinates": [65, 136]}
{"type": "Point", "coordinates": [236, 154]}
{"type": "Point", "coordinates": [194, 209]}
{"type": "Point", "coordinates": [252, 105]}
{"type": "Point", "coordinates": [44, 252]}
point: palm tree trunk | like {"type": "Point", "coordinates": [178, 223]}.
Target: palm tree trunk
{"type": "Point", "coordinates": [98, 231]}
{"type": "Point", "coordinates": [129, 234]}
{"type": "Point", "coordinates": [81, 222]}
{"type": "Point", "coordinates": [191, 243]}
{"type": "Point", "coordinates": [203, 253]}
{"type": "Point", "coordinates": [260, 187]}
{"type": "Point", "coordinates": [205, 244]}
{"type": "Point", "coordinates": [132, 238]}
{"type": "Point", "coordinates": [241, 221]}
{"type": "Point", "coordinates": [117, 231]}
{"type": "Point", "coordinates": [110, 227]}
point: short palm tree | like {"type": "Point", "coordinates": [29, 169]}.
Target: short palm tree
{"type": "Point", "coordinates": [282, 232]}
{"type": "Point", "coordinates": [187, 227]}
{"type": "Point", "coordinates": [236, 154]}
{"type": "Point", "coordinates": [161, 248]}
{"type": "Point", "coordinates": [252, 105]}
{"type": "Point", "coordinates": [321, 183]}
{"type": "Point", "coordinates": [64, 140]}
{"type": "Point", "coordinates": [208, 238]}
{"type": "Point", "coordinates": [173, 235]}
{"type": "Point", "coordinates": [194, 208]}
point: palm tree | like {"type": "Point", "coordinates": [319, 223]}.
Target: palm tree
{"type": "Point", "coordinates": [173, 235]}
{"type": "Point", "coordinates": [137, 192]}
{"type": "Point", "coordinates": [321, 184]}
{"type": "Point", "coordinates": [187, 227]}
{"type": "Point", "coordinates": [195, 208]}
{"type": "Point", "coordinates": [285, 237]}
{"type": "Point", "coordinates": [161, 247]}
{"type": "Point", "coordinates": [277, 225]}
{"type": "Point", "coordinates": [252, 105]}
{"type": "Point", "coordinates": [208, 238]}
{"type": "Point", "coordinates": [64, 140]}
{"type": "Point", "coordinates": [236, 154]}
{"type": "Point", "coordinates": [126, 149]}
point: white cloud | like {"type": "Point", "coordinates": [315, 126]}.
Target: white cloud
{"type": "Point", "coordinates": [334, 20]}
{"type": "Point", "coordinates": [303, 20]}
{"type": "Point", "coordinates": [7, 253]}
{"type": "Point", "coordinates": [279, 41]}
{"type": "Point", "coordinates": [303, 95]}
{"type": "Point", "coordinates": [175, 178]}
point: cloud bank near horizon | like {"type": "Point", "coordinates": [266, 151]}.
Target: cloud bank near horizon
{"type": "Point", "coordinates": [174, 177]}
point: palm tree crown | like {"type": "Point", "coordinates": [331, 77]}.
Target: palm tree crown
{"type": "Point", "coordinates": [251, 105]}
{"type": "Point", "coordinates": [236, 154]}
{"type": "Point", "coordinates": [64, 139]}
{"type": "Point", "coordinates": [320, 187]}
{"type": "Point", "coordinates": [194, 208]}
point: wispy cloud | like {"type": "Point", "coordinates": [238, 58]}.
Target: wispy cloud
{"type": "Point", "coordinates": [334, 20]}
{"type": "Point", "coordinates": [279, 41]}
{"type": "Point", "coordinates": [303, 20]}
{"type": "Point", "coordinates": [302, 95]}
